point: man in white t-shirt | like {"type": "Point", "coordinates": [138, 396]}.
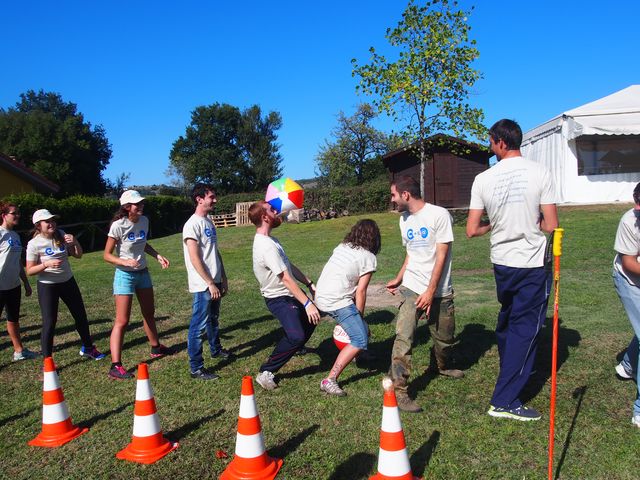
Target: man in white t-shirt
{"type": "Point", "coordinates": [284, 298]}
{"type": "Point", "coordinates": [626, 278]}
{"type": "Point", "coordinates": [519, 198]}
{"type": "Point", "coordinates": [207, 280]}
{"type": "Point", "coordinates": [424, 281]}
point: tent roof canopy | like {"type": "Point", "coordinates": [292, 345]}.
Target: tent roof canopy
{"type": "Point", "coordinates": [615, 114]}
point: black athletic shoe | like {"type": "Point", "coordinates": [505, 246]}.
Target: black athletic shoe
{"type": "Point", "coordinates": [204, 374]}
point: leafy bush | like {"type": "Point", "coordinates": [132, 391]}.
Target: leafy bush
{"type": "Point", "coordinates": [366, 198]}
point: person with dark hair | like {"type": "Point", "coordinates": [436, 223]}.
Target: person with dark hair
{"type": "Point", "coordinates": [277, 277]}
{"type": "Point", "coordinates": [514, 192]}
{"type": "Point", "coordinates": [342, 293]}
{"type": "Point", "coordinates": [128, 236]}
{"type": "Point", "coordinates": [11, 273]}
{"type": "Point", "coordinates": [48, 257]}
{"type": "Point", "coordinates": [207, 280]}
{"type": "Point", "coordinates": [626, 279]}
{"type": "Point", "coordinates": [424, 281]}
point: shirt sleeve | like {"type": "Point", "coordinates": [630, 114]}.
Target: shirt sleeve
{"type": "Point", "coordinates": [368, 263]}
{"type": "Point", "coordinates": [190, 230]}
{"type": "Point", "coordinates": [476, 202]}
{"type": "Point", "coordinates": [272, 259]}
{"type": "Point", "coordinates": [444, 228]}
{"type": "Point", "coordinates": [32, 252]}
{"type": "Point", "coordinates": [548, 195]}
{"type": "Point", "coordinates": [626, 239]}
{"type": "Point", "coordinates": [114, 231]}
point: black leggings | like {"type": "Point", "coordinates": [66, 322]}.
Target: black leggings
{"type": "Point", "coordinates": [49, 296]}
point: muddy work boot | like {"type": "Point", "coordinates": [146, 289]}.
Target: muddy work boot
{"type": "Point", "coordinates": [406, 404]}
{"type": "Point", "coordinates": [438, 366]}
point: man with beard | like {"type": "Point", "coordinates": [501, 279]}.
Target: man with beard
{"type": "Point", "coordinates": [519, 197]}
{"type": "Point", "coordinates": [424, 281]}
{"type": "Point", "coordinates": [284, 298]}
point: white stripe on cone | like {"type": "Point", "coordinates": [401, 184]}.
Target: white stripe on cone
{"type": "Point", "coordinates": [393, 464]}
{"type": "Point", "coordinates": [50, 382]}
{"type": "Point", "coordinates": [54, 413]}
{"type": "Point", "coordinates": [145, 426]}
{"type": "Point", "coordinates": [144, 390]}
{"type": "Point", "coordinates": [391, 420]}
{"type": "Point", "coordinates": [248, 407]}
{"type": "Point", "coordinates": [249, 446]}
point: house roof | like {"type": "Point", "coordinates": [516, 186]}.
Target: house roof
{"type": "Point", "coordinates": [24, 172]}
{"type": "Point", "coordinates": [437, 144]}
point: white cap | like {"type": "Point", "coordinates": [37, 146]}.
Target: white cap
{"type": "Point", "coordinates": [130, 196]}
{"type": "Point", "coordinates": [42, 214]}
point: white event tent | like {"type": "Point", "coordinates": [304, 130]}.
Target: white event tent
{"type": "Point", "coordinates": [592, 151]}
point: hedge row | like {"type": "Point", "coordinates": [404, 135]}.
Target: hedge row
{"type": "Point", "coordinates": [367, 198]}
{"type": "Point", "coordinates": [166, 214]}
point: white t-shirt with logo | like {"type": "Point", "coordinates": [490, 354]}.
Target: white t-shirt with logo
{"type": "Point", "coordinates": [269, 260]}
{"type": "Point", "coordinates": [10, 251]}
{"type": "Point", "coordinates": [338, 281]}
{"type": "Point", "coordinates": [421, 232]}
{"type": "Point", "coordinates": [511, 192]}
{"type": "Point", "coordinates": [628, 243]}
{"type": "Point", "coordinates": [131, 238]}
{"type": "Point", "coordinates": [203, 231]}
{"type": "Point", "coordinates": [40, 250]}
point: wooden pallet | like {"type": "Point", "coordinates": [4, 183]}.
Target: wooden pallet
{"type": "Point", "coordinates": [223, 221]}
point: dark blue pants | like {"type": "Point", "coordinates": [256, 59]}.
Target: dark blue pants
{"type": "Point", "coordinates": [523, 293]}
{"type": "Point", "coordinates": [297, 330]}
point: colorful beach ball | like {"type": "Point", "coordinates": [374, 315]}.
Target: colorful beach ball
{"type": "Point", "coordinates": [285, 195]}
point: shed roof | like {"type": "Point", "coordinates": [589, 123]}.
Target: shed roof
{"type": "Point", "coordinates": [20, 170]}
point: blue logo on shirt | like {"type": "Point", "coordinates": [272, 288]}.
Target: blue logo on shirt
{"type": "Point", "coordinates": [410, 234]}
{"type": "Point", "coordinates": [208, 232]}
{"type": "Point", "coordinates": [424, 233]}
{"type": "Point", "coordinates": [141, 234]}
{"type": "Point", "coordinates": [50, 251]}
{"type": "Point", "coordinates": [10, 242]}
{"type": "Point", "coordinates": [131, 236]}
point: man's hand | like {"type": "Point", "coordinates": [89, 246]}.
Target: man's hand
{"type": "Point", "coordinates": [312, 313]}
{"type": "Point", "coordinates": [27, 289]}
{"type": "Point", "coordinates": [224, 286]}
{"type": "Point", "coordinates": [392, 286]}
{"type": "Point", "coordinates": [214, 291]}
{"type": "Point", "coordinates": [424, 301]}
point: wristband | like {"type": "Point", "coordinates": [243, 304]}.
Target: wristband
{"type": "Point", "coordinates": [309, 284]}
{"type": "Point", "coordinates": [307, 303]}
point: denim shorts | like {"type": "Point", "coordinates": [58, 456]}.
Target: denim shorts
{"type": "Point", "coordinates": [351, 321]}
{"type": "Point", "coordinates": [126, 283]}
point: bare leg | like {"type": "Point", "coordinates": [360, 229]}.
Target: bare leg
{"type": "Point", "coordinates": [14, 334]}
{"type": "Point", "coordinates": [123, 314]}
{"type": "Point", "coordinates": [345, 356]}
{"type": "Point", "coordinates": [148, 309]}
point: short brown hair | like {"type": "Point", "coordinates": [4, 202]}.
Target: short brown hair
{"type": "Point", "coordinates": [256, 210]}
{"type": "Point", "coordinates": [405, 183]}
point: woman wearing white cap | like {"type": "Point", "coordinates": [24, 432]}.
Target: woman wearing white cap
{"type": "Point", "coordinates": [128, 236]}
{"type": "Point", "coordinates": [48, 257]}
{"type": "Point", "coordinates": [11, 272]}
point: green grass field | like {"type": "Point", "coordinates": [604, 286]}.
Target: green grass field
{"type": "Point", "coordinates": [322, 437]}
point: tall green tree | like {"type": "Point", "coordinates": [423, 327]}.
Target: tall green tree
{"type": "Point", "coordinates": [354, 154]}
{"type": "Point", "coordinates": [52, 138]}
{"type": "Point", "coordinates": [234, 151]}
{"type": "Point", "coordinates": [428, 84]}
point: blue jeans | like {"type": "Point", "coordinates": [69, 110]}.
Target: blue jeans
{"type": "Point", "coordinates": [204, 316]}
{"type": "Point", "coordinates": [351, 321]}
{"type": "Point", "coordinates": [297, 330]}
{"type": "Point", "coordinates": [630, 297]}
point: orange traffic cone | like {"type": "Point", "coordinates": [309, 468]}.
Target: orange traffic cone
{"type": "Point", "coordinates": [148, 445]}
{"type": "Point", "coordinates": [250, 461]}
{"type": "Point", "coordinates": [57, 428]}
{"type": "Point", "coordinates": [393, 460]}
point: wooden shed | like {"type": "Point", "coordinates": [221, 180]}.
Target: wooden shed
{"type": "Point", "coordinates": [450, 168]}
{"type": "Point", "coordinates": [17, 178]}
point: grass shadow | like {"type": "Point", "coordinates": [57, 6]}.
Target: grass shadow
{"type": "Point", "coordinates": [180, 433]}
{"type": "Point", "coordinates": [567, 337]}
{"type": "Point", "coordinates": [13, 418]}
{"type": "Point", "coordinates": [380, 317]}
{"type": "Point", "coordinates": [422, 456]}
{"type": "Point", "coordinates": [89, 423]}
{"type": "Point", "coordinates": [291, 445]}
{"type": "Point", "coordinates": [356, 466]}
{"type": "Point", "coordinates": [578, 393]}
{"type": "Point", "coordinates": [473, 342]}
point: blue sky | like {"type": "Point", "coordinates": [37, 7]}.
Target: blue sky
{"type": "Point", "coordinates": [140, 68]}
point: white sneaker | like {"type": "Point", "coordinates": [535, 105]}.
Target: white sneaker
{"type": "Point", "coordinates": [265, 380]}
{"type": "Point", "coordinates": [25, 354]}
{"type": "Point", "coordinates": [635, 420]}
{"type": "Point", "coordinates": [623, 373]}
{"type": "Point", "coordinates": [331, 387]}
